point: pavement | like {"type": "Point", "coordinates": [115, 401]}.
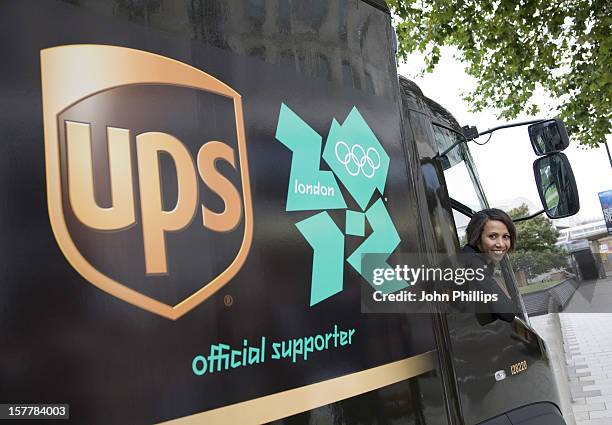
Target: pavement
{"type": "Point", "coordinates": [588, 352]}
{"type": "Point", "coordinates": [580, 344]}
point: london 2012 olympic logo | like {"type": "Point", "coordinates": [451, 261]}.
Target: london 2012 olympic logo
{"type": "Point", "coordinates": [357, 160]}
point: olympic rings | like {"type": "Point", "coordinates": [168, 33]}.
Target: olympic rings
{"type": "Point", "coordinates": [358, 160]}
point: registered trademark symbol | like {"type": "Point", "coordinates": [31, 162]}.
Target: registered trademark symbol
{"type": "Point", "coordinates": [228, 300]}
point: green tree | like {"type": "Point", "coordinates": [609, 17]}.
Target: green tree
{"type": "Point", "coordinates": [535, 252]}
{"type": "Point", "coordinates": [513, 47]}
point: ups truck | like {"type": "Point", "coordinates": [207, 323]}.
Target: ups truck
{"type": "Point", "coordinates": [188, 189]}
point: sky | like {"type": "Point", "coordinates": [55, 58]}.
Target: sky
{"type": "Point", "coordinates": [505, 163]}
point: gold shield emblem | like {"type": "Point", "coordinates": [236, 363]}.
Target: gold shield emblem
{"type": "Point", "coordinates": [133, 175]}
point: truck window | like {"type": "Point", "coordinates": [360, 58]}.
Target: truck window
{"type": "Point", "coordinates": [464, 188]}
{"type": "Point", "coordinates": [459, 181]}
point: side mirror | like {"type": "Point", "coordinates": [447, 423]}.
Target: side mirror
{"type": "Point", "coordinates": [556, 185]}
{"type": "Point", "coordinates": [548, 136]}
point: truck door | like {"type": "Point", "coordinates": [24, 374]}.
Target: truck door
{"type": "Point", "coordinates": [499, 366]}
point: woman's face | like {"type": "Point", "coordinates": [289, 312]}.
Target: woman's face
{"type": "Point", "coordinates": [495, 240]}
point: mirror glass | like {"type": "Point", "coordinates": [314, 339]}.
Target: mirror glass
{"type": "Point", "coordinates": [548, 136]}
{"type": "Point", "coordinates": [556, 185]}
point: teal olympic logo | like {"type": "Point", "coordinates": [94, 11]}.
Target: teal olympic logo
{"type": "Point", "coordinates": [356, 159]}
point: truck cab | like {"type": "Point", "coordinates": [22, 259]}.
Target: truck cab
{"type": "Point", "coordinates": [474, 352]}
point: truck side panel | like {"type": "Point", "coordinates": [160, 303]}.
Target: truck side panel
{"type": "Point", "coordinates": [144, 297]}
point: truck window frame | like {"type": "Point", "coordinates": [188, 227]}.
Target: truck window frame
{"type": "Point", "coordinates": [506, 267]}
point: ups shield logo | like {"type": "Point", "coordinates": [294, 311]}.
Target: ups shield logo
{"type": "Point", "coordinates": [147, 174]}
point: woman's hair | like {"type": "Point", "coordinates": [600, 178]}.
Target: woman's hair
{"type": "Point", "coordinates": [477, 223]}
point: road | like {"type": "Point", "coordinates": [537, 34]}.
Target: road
{"type": "Point", "coordinates": [592, 297]}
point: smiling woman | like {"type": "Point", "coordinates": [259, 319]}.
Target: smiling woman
{"type": "Point", "coordinates": [495, 240]}
{"type": "Point", "coordinates": [492, 232]}
{"type": "Point", "coordinates": [490, 236]}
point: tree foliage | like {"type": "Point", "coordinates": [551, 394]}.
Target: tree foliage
{"type": "Point", "coordinates": [513, 47]}
{"type": "Point", "coordinates": [535, 251]}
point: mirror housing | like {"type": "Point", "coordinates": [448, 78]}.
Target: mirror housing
{"type": "Point", "coordinates": [549, 136]}
{"type": "Point", "coordinates": [556, 185]}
